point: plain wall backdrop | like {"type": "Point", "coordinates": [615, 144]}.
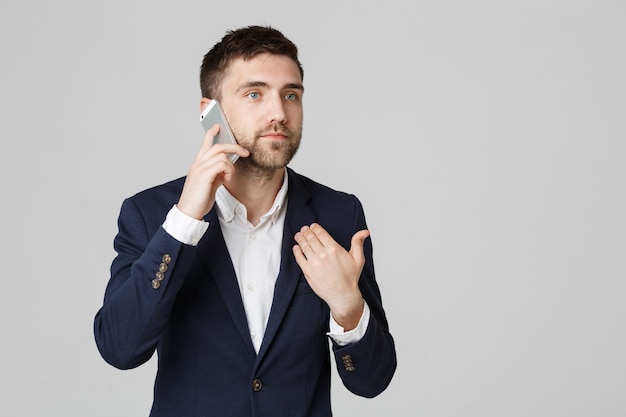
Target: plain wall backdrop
{"type": "Point", "coordinates": [486, 140]}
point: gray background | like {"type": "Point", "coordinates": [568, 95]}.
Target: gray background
{"type": "Point", "coordinates": [486, 140]}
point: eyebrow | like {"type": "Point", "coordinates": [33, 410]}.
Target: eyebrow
{"type": "Point", "coordinates": [293, 86]}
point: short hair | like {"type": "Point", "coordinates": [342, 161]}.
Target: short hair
{"type": "Point", "coordinates": [246, 43]}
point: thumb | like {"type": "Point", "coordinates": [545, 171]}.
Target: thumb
{"type": "Point", "coordinates": [356, 246]}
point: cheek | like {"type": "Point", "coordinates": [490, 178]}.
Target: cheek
{"type": "Point", "coordinates": [296, 116]}
{"type": "Point", "coordinates": [239, 128]}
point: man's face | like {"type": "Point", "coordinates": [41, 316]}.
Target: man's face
{"type": "Point", "coordinates": [262, 99]}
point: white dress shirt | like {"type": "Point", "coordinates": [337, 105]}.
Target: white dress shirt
{"type": "Point", "coordinates": [255, 252]}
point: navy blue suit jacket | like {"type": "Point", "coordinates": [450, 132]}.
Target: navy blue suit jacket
{"type": "Point", "coordinates": [195, 319]}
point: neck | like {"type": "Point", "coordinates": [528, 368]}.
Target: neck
{"type": "Point", "coordinates": [256, 189]}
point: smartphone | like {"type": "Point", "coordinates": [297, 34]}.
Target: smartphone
{"type": "Point", "coordinates": [212, 115]}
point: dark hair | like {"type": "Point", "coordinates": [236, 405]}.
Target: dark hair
{"type": "Point", "coordinates": [245, 43]}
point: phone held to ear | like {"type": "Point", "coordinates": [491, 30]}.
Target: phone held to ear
{"type": "Point", "coordinates": [212, 115]}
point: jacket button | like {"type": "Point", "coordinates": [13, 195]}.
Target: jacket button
{"type": "Point", "coordinates": [166, 258]}
{"type": "Point", "coordinates": [156, 284]}
{"type": "Point", "coordinates": [257, 385]}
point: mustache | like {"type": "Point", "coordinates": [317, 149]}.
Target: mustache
{"type": "Point", "coordinates": [274, 128]}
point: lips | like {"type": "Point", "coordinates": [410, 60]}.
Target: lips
{"type": "Point", "coordinates": [274, 135]}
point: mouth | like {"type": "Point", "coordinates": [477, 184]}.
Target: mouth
{"type": "Point", "coordinates": [274, 135]}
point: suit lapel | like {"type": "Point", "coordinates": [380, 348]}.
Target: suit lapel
{"type": "Point", "coordinates": [212, 247]}
{"type": "Point", "coordinates": [298, 214]}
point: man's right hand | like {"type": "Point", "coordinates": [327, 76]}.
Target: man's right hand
{"type": "Point", "coordinates": [209, 170]}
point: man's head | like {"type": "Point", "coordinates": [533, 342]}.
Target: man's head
{"type": "Point", "coordinates": [245, 43]}
{"type": "Point", "coordinates": [255, 73]}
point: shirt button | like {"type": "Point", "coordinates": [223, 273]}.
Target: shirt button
{"type": "Point", "coordinates": [250, 286]}
{"type": "Point", "coordinates": [252, 236]}
{"type": "Point", "coordinates": [253, 335]}
{"type": "Point", "coordinates": [257, 385]}
{"type": "Point", "coordinates": [238, 210]}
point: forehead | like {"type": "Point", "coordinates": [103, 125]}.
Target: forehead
{"type": "Point", "coordinates": [272, 70]}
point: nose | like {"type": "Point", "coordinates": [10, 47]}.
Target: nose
{"type": "Point", "coordinates": [276, 110]}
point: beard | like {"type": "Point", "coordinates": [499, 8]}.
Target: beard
{"type": "Point", "coordinates": [269, 155]}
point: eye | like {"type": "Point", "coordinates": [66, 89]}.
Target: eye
{"type": "Point", "coordinates": [291, 96]}
{"type": "Point", "coordinates": [253, 95]}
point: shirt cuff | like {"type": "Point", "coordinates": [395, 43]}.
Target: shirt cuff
{"type": "Point", "coordinates": [352, 336]}
{"type": "Point", "coordinates": [184, 228]}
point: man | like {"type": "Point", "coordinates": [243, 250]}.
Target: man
{"type": "Point", "coordinates": [238, 274]}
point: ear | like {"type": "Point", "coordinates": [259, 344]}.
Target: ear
{"type": "Point", "coordinates": [203, 103]}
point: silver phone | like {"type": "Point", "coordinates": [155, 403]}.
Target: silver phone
{"type": "Point", "coordinates": [212, 115]}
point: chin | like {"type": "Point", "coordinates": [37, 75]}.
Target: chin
{"type": "Point", "coordinates": [277, 156]}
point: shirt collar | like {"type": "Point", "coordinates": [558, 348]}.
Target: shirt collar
{"type": "Point", "coordinates": [228, 206]}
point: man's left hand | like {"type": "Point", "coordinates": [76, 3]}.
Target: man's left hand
{"type": "Point", "coordinates": [332, 272]}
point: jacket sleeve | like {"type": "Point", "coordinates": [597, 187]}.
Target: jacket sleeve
{"type": "Point", "coordinates": [367, 366]}
{"type": "Point", "coordinates": [146, 275]}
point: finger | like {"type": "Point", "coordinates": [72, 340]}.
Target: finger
{"type": "Point", "coordinates": [312, 240]}
{"type": "Point", "coordinates": [208, 137]}
{"type": "Point", "coordinates": [230, 148]}
{"type": "Point", "coordinates": [217, 159]}
{"type": "Point", "coordinates": [356, 246]}
{"type": "Point", "coordinates": [303, 243]}
{"type": "Point", "coordinates": [322, 235]}
{"type": "Point", "coordinates": [209, 148]}
{"type": "Point", "coordinates": [300, 258]}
